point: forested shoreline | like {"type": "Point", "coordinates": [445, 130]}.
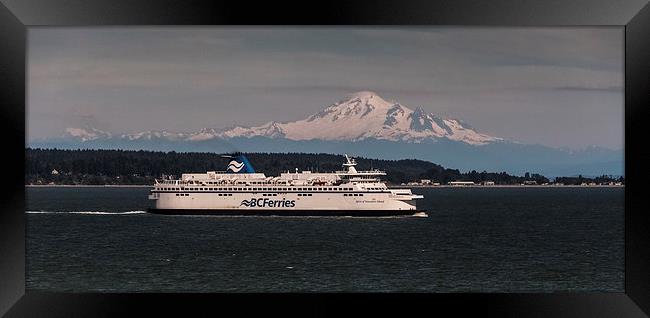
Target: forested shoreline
{"type": "Point", "coordinates": [125, 167]}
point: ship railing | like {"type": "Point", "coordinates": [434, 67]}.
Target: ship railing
{"type": "Point", "coordinates": [363, 172]}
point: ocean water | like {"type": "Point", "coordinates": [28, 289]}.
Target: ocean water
{"type": "Point", "coordinates": [474, 240]}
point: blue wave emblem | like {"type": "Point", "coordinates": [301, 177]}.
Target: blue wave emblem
{"type": "Point", "coordinates": [245, 203]}
{"type": "Point", "coordinates": [235, 166]}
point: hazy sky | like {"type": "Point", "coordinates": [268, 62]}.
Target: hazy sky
{"type": "Point", "coordinates": [560, 87]}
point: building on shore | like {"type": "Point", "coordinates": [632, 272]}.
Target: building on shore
{"type": "Point", "coordinates": [461, 183]}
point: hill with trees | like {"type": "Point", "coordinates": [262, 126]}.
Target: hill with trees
{"type": "Point", "coordinates": [124, 167]}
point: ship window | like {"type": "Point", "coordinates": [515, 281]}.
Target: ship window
{"type": "Point", "coordinates": [345, 194]}
{"type": "Point", "coordinates": [361, 194]}
{"type": "Point", "coordinates": [309, 194]}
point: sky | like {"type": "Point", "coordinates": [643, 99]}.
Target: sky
{"type": "Point", "coordinates": [556, 86]}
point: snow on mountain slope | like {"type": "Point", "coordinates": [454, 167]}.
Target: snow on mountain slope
{"type": "Point", "coordinates": [87, 134]}
{"type": "Point", "coordinates": [364, 115]}
{"type": "Point", "coordinates": [359, 116]}
{"type": "Point", "coordinates": [155, 134]}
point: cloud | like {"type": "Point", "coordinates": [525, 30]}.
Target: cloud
{"type": "Point", "coordinates": [611, 89]}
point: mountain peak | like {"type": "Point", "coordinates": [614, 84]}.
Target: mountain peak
{"type": "Point", "coordinates": [87, 133]}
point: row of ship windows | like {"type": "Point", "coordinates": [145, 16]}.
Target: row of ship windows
{"type": "Point", "coordinates": [275, 194]}
{"type": "Point", "coordinates": [242, 183]}
{"type": "Point", "coordinates": [262, 189]}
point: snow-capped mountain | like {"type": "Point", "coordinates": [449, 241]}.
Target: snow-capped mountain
{"type": "Point", "coordinates": [359, 116]}
{"type": "Point", "coordinates": [86, 134]}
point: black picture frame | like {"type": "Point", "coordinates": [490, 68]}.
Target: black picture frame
{"type": "Point", "coordinates": [17, 15]}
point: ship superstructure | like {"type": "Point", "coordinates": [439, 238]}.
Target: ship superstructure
{"type": "Point", "coordinates": [240, 190]}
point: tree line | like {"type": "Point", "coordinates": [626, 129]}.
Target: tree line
{"type": "Point", "coordinates": [111, 167]}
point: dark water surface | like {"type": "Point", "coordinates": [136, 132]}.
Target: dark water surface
{"type": "Point", "coordinates": [474, 240]}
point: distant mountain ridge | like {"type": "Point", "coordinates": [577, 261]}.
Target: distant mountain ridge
{"type": "Point", "coordinates": [359, 116]}
{"type": "Point", "coordinates": [363, 124]}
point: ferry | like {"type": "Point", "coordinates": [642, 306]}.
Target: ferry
{"type": "Point", "coordinates": [240, 190]}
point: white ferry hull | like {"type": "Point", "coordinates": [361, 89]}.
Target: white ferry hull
{"type": "Point", "coordinates": [293, 212]}
{"type": "Point", "coordinates": [380, 203]}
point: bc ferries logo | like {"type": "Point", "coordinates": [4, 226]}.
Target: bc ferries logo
{"type": "Point", "coordinates": [268, 203]}
{"type": "Point", "coordinates": [235, 166]}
